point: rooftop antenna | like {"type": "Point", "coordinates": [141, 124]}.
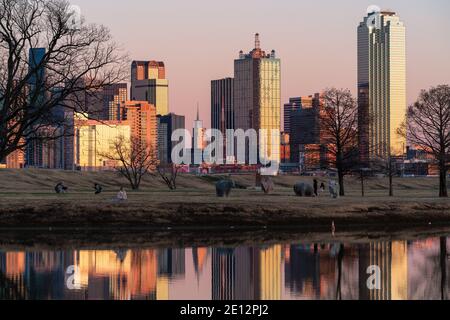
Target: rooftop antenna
{"type": "Point", "coordinates": [257, 41]}
{"type": "Point", "coordinates": [198, 112]}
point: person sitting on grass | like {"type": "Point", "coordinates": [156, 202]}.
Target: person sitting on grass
{"type": "Point", "coordinates": [61, 188]}
{"type": "Point", "coordinates": [98, 188]}
{"type": "Point", "coordinates": [122, 195]}
{"type": "Point", "coordinates": [322, 187]}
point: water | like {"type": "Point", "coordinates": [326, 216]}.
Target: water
{"type": "Point", "coordinates": [416, 269]}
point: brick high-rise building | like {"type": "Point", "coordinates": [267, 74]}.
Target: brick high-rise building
{"type": "Point", "coordinates": [141, 116]}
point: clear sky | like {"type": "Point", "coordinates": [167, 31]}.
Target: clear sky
{"type": "Point", "coordinates": [316, 41]}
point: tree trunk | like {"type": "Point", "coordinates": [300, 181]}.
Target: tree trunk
{"type": "Point", "coordinates": [341, 183]}
{"type": "Point", "coordinates": [443, 181]}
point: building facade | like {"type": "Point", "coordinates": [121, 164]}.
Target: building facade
{"type": "Point", "coordinates": [381, 85]}
{"type": "Point", "coordinates": [149, 83]}
{"type": "Point", "coordinates": [222, 110]}
{"type": "Point", "coordinates": [113, 96]}
{"type": "Point", "coordinates": [141, 117]}
{"type": "Point", "coordinates": [94, 138]}
{"type": "Point", "coordinates": [295, 104]}
{"type": "Point", "coordinates": [307, 138]}
{"type": "Point", "coordinates": [166, 126]}
{"type": "Point", "coordinates": [257, 97]}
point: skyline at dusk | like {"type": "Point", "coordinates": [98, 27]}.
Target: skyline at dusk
{"type": "Point", "coordinates": [316, 42]}
{"type": "Point", "coordinates": [222, 155]}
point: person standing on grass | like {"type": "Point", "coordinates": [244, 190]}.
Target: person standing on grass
{"type": "Point", "coordinates": [316, 187]}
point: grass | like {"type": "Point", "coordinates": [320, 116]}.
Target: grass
{"type": "Point", "coordinates": [27, 199]}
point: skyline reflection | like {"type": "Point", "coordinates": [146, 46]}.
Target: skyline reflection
{"type": "Point", "coordinates": [409, 270]}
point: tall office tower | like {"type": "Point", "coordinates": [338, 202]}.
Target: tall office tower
{"type": "Point", "coordinates": [381, 85]}
{"type": "Point", "coordinates": [37, 76]}
{"type": "Point", "coordinates": [35, 151]}
{"type": "Point", "coordinates": [166, 126]}
{"type": "Point", "coordinates": [307, 138]}
{"type": "Point", "coordinates": [149, 83]}
{"type": "Point", "coordinates": [257, 99]}
{"type": "Point", "coordinates": [295, 104]}
{"type": "Point", "coordinates": [141, 116]}
{"type": "Point", "coordinates": [113, 96]}
{"type": "Point", "coordinates": [222, 111]}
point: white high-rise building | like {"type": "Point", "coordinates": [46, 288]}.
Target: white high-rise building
{"type": "Point", "coordinates": [381, 84]}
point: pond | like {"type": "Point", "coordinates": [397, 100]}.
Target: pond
{"type": "Point", "coordinates": [394, 269]}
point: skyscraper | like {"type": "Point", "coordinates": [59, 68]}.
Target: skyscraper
{"type": "Point", "coordinates": [141, 117]}
{"type": "Point", "coordinates": [308, 136]}
{"type": "Point", "coordinates": [113, 95]}
{"type": "Point", "coordinates": [149, 83]}
{"type": "Point", "coordinates": [257, 101]}
{"type": "Point", "coordinates": [222, 111]}
{"type": "Point", "coordinates": [381, 84]}
{"type": "Point", "coordinates": [295, 104]}
{"type": "Point", "coordinates": [166, 126]}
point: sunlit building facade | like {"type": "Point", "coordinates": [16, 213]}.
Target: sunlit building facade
{"type": "Point", "coordinates": [94, 139]}
{"type": "Point", "coordinates": [149, 83]}
{"type": "Point", "coordinates": [257, 97]}
{"type": "Point", "coordinates": [141, 116]}
{"type": "Point", "coordinates": [381, 85]}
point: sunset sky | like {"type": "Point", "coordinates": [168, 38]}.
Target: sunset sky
{"type": "Point", "coordinates": [316, 41]}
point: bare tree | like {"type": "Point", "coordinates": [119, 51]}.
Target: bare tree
{"type": "Point", "coordinates": [339, 118]}
{"type": "Point", "coordinates": [169, 174]}
{"type": "Point", "coordinates": [132, 159]}
{"type": "Point", "coordinates": [428, 128]}
{"type": "Point", "coordinates": [50, 60]}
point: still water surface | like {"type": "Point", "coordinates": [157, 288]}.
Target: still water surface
{"type": "Point", "coordinates": [409, 270]}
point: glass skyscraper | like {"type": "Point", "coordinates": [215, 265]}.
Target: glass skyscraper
{"type": "Point", "coordinates": [381, 85]}
{"type": "Point", "coordinates": [257, 96]}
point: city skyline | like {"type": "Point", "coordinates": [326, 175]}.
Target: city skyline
{"type": "Point", "coordinates": [304, 71]}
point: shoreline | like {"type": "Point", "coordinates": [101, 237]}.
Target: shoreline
{"type": "Point", "coordinates": [218, 214]}
{"type": "Point", "coordinates": [39, 239]}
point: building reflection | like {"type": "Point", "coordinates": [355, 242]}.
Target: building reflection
{"type": "Point", "coordinates": [246, 273]}
{"type": "Point", "coordinates": [310, 271]}
{"type": "Point", "coordinates": [408, 270]}
{"type": "Point", "coordinates": [392, 260]}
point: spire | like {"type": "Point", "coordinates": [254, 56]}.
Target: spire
{"type": "Point", "coordinates": [257, 41]}
{"type": "Point", "coordinates": [198, 112]}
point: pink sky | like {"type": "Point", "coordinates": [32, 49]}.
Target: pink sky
{"type": "Point", "coordinates": [316, 41]}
